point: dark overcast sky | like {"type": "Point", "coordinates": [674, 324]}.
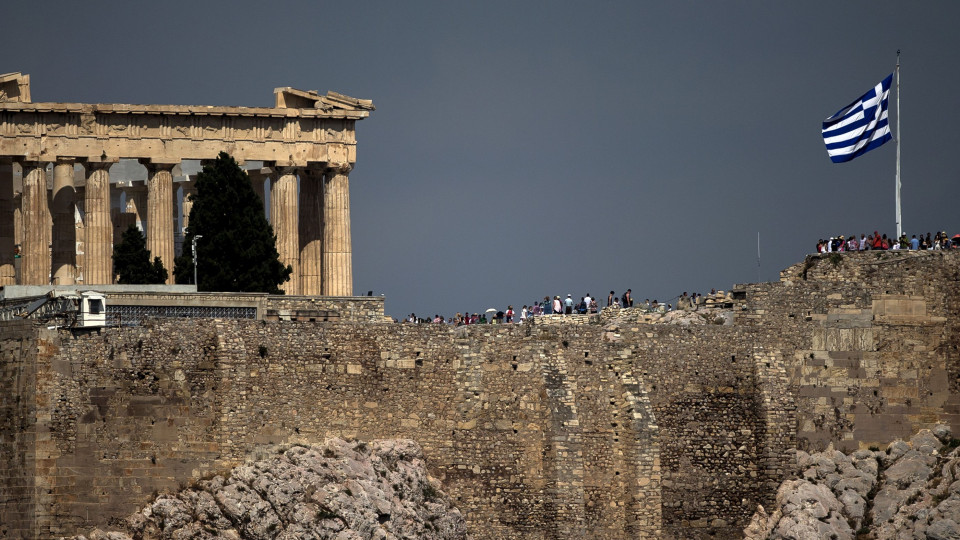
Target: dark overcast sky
{"type": "Point", "coordinates": [524, 149]}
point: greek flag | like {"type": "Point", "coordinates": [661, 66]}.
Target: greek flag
{"type": "Point", "coordinates": [859, 127]}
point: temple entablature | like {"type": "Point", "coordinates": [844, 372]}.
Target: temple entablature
{"type": "Point", "coordinates": [319, 130]}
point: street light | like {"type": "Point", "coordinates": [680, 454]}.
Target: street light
{"type": "Point", "coordinates": [195, 260]}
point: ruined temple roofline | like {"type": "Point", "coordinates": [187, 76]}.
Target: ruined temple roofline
{"type": "Point", "coordinates": [289, 102]}
{"type": "Point", "coordinates": [184, 110]}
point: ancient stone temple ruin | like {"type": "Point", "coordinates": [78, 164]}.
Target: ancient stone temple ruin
{"type": "Point", "coordinates": [63, 229]}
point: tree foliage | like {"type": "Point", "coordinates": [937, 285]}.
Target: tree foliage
{"type": "Point", "coordinates": [131, 260]}
{"type": "Point", "coordinates": [236, 247]}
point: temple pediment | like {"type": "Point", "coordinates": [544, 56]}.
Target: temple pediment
{"type": "Point", "coordinates": [15, 87]}
{"type": "Point", "coordinates": [291, 98]}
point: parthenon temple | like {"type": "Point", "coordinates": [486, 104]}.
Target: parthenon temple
{"type": "Point", "coordinates": [62, 209]}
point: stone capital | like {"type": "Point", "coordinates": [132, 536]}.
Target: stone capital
{"type": "Point", "coordinates": [102, 158]}
{"type": "Point", "coordinates": [96, 165]}
{"type": "Point", "coordinates": [284, 170]}
{"type": "Point", "coordinates": [338, 168]}
{"type": "Point", "coordinates": [153, 166]}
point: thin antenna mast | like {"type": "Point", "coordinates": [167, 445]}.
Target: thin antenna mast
{"type": "Point", "coordinates": [758, 256]}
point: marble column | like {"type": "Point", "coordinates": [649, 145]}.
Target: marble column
{"type": "Point", "coordinates": [78, 230]}
{"type": "Point", "coordinates": [64, 257]}
{"type": "Point", "coordinates": [337, 264]}
{"type": "Point", "coordinates": [159, 211]}
{"type": "Point", "coordinates": [283, 214]}
{"type": "Point", "coordinates": [35, 269]}
{"type": "Point", "coordinates": [189, 190]}
{"type": "Point", "coordinates": [137, 204]}
{"type": "Point", "coordinates": [8, 272]}
{"type": "Point", "coordinates": [98, 230]}
{"type": "Point", "coordinates": [311, 232]}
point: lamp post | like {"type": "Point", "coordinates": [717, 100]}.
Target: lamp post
{"type": "Point", "coordinates": [195, 259]}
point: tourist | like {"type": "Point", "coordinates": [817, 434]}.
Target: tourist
{"type": "Point", "coordinates": [586, 302]}
{"type": "Point", "coordinates": [628, 298]}
{"type": "Point", "coordinates": [568, 305]}
{"type": "Point", "coordinates": [557, 307]}
{"type": "Point", "coordinates": [509, 314]}
{"type": "Point", "coordinates": [610, 298]}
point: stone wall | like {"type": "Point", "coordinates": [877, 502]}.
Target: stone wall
{"type": "Point", "coordinates": [18, 435]}
{"type": "Point", "coordinates": [874, 343]}
{"type": "Point", "coordinates": [610, 428]}
{"type": "Point", "coordinates": [539, 431]}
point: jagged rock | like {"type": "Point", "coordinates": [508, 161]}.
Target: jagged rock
{"type": "Point", "coordinates": [895, 450]}
{"type": "Point", "coordinates": [945, 529]}
{"type": "Point", "coordinates": [942, 432]}
{"type": "Point", "coordinates": [909, 491]}
{"type": "Point", "coordinates": [343, 490]}
{"type": "Point", "coordinates": [757, 529]}
{"type": "Point", "coordinates": [809, 511]}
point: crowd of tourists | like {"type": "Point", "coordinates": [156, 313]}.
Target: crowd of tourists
{"type": "Point", "coordinates": [876, 240]}
{"type": "Point", "coordinates": [587, 304]}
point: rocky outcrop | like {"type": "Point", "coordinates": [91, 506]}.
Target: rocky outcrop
{"type": "Point", "coordinates": [910, 490]}
{"type": "Point", "coordinates": [343, 490]}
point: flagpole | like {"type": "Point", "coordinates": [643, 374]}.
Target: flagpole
{"type": "Point", "coordinates": [899, 224]}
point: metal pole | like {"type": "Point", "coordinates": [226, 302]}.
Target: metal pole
{"type": "Point", "coordinates": [194, 243]}
{"type": "Point", "coordinates": [899, 224]}
{"type": "Point", "coordinates": [758, 256]}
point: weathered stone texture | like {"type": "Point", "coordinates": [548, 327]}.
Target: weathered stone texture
{"type": "Point", "coordinates": [499, 412]}
{"type": "Point", "coordinates": [874, 343]}
{"type": "Point", "coordinates": [601, 428]}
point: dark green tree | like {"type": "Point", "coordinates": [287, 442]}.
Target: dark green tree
{"type": "Point", "coordinates": [236, 247]}
{"type": "Point", "coordinates": [131, 260]}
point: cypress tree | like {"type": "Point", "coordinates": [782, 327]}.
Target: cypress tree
{"type": "Point", "coordinates": [131, 260]}
{"type": "Point", "coordinates": [236, 248]}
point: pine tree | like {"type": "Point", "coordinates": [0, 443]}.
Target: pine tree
{"type": "Point", "coordinates": [131, 260]}
{"type": "Point", "coordinates": [236, 247]}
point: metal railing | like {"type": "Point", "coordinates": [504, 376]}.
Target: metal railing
{"type": "Point", "coordinates": [133, 315]}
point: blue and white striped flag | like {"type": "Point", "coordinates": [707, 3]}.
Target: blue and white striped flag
{"type": "Point", "coordinates": [859, 127]}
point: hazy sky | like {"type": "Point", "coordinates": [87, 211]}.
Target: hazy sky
{"type": "Point", "coordinates": [525, 149]}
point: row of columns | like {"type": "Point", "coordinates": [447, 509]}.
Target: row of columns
{"type": "Point", "coordinates": [41, 265]}
{"type": "Point", "coordinates": [312, 227]}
